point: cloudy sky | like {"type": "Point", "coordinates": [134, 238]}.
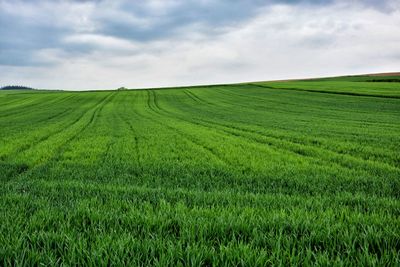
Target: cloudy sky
{"type": "Point", "coordinates": [102, 44]}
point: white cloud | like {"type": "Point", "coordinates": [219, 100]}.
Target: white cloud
{"type": "Point", "coordinates": [279, 42]}
{"type": "Point", "coordinates": [102, 42]}
{"type": "Point", "coordinates": [75, 15]}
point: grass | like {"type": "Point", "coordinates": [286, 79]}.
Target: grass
{"type": "Point", "coordinates": [350, 85]}
{"type": "Point", "coordinates": [275, 173]}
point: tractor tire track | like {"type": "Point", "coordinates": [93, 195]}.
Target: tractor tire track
{"type": "Point", "coordinates": [153, 105]}
{"type": "Point", "coordinates": [27, 147]}
{"type": "Point", "coordinates": [21, 110]}
{"type": "Point", "coordinates": [310, 108]}
{"type": "Point", "coordinates": [300, 149]}
{"type": "Point", "coordinates": [56, 115]}
{"type": "Point", "coordinates": [135, 136]}
{"type": "Point", "coordinates": [61, 148]}
{"type": "Point", "coordinates": [326, 92]}
{"type": "Point", "coordinates": [197, 98]}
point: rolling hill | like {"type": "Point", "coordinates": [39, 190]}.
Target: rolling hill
{"type": "Point", "coordinates": [253, 174]}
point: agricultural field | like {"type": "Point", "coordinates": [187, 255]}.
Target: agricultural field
{"type": "Point", "coordinates": [258, 174]}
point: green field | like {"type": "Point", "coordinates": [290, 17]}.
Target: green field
{"type": "Point", "coordinates": [258, 174]}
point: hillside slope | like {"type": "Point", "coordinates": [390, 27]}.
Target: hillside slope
{"type": "Point", "coordinates": [290, 173]}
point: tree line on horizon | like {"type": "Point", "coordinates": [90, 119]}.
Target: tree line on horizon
{"type": "Point", "coordinates": [16, 87]}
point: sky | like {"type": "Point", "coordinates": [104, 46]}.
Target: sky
{"type": "Point", "coordinates": [106, 44]}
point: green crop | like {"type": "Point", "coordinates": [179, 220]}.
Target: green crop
{"type": "Point", "coordinates": [275, 173]}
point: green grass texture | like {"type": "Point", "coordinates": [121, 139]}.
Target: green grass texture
{"type": "Point", "coordinates": [289, 173]}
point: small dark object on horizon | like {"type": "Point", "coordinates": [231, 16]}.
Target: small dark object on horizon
{"type": "Point", "coordinates": [15, 87]}
{"type": "Point", "coordinates": [385, 80]}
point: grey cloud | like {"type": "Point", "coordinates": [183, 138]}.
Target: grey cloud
{"type": "Point", "coordinates": [160, 36]}
{"type": "Point", "coordinates": [162, 23]}
{"type": "Point", "coordinates": [15, 57]}
{"type": "Point", "coordinates": [213, 15]}
{"type": "Point", "coordinates": [24, 34]}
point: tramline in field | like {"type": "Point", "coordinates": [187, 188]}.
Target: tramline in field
{"type": "Point", "coordinates": [293, 173]}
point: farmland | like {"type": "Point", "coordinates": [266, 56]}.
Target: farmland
{"type": "Point", "coordinates": [257, 174]}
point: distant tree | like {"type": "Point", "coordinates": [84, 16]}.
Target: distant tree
{"type": "Point", "coordinates": [16, 87]}
{"type": "Point", "coordinates": [122, 88]}
{"type": "Point", "coordinates": [385, 80]}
